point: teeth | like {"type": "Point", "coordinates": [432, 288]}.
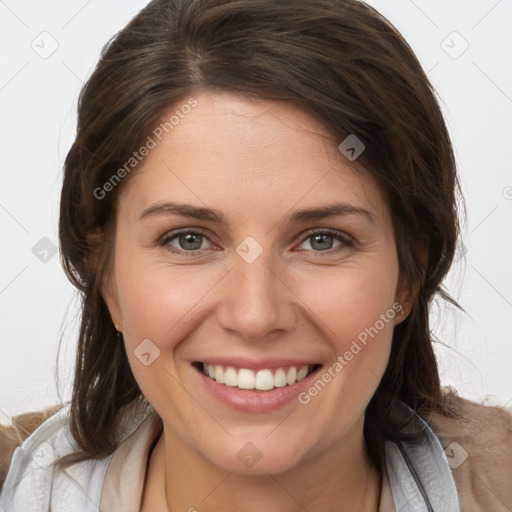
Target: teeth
{"type": "Point", "coordinates": [246, 379]}
{"type": "Point", "coordinates": [219, 375]}
{"type": "Point", "coordinates": [263, 380]}
{"type": "Point", "coordinates": [280, 378]}
{"type": "Point", "coordinates": [230, 377]}
{"type": "Point", "coordinates": [291, 376]}
{"type": "Point", "coordinates": [301, 374]}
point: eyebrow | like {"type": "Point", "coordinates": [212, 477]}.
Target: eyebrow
{"type": "Point", "coordinates": [212, 215]}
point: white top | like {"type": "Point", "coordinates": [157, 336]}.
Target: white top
{"type": "Point", "coordinates": [415, 474]}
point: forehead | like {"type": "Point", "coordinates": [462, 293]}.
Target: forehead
{"type": "Point", "coordinates": [248, 154]}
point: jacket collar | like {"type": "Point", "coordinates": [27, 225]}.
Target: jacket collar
{"type": "Point", "coordinates": [419, 475]}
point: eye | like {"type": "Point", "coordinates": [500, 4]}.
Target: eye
{"type": "Point", "coordinates": [192, 243]}
{"type": "Point", "coordinates": [322, 241]}
{"type": "Point", "coordinates": [189, 242]}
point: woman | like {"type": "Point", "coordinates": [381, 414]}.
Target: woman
{"type": "Point", "coordinates": [283, 361]}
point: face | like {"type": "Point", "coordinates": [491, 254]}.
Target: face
{"type": "Point", "coordinates": [229, 273]}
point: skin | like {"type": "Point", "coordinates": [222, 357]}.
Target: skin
{"type": "Point", "coordinates": [257, 162]}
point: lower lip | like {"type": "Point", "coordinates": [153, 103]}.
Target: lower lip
{"type": "Point", "coordinates": [254, 400]}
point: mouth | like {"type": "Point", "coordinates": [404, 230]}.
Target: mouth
{"type": "Point", "coordinates": [263, 379]}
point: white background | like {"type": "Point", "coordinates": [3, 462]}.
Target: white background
{"type": "Point", "coordinates": [38, 102]}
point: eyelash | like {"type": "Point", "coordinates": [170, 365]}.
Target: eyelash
{"type": "Point", "coordinates": [345, 239]}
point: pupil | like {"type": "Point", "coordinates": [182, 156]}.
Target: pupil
{"type": "Point", "coordinates": [190, 238]}
{"type": "Point", "coordinates": [321, 240]}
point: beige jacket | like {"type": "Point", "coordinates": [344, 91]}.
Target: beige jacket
{"type": "Point", "coordinates": [478, 447]}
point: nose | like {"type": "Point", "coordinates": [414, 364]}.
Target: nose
{"type": "Point", "coordinates": [256, 301]}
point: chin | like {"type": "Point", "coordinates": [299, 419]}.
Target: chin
{"type": "Point", "coordinates": [258, 458]}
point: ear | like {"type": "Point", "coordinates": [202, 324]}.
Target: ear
{"type": "Point", "coordinates": [405, 295]}
{"type": "Point", "coordinates": [108, 288]}
{"type": "Point", "coordinates": [110, 297]}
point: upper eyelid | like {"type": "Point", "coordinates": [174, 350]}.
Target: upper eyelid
{"type": "Point", "coordinates": [169, 235]}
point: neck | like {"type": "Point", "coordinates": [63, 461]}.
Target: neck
{"type": "Point", "coordinates": [341, 479]}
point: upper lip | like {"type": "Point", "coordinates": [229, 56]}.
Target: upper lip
{"type": "Point", "coordinates": [256, 364]}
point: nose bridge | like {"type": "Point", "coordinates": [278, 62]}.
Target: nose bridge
{"type": "Point", "coordinates": [256, 301]}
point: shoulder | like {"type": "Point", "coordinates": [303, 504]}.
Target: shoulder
{"type": "Point", "coordinates": [34, 482]}
{"type": "Point", "coordinates": [477, 443]}
{"type": "Point", "coordinates": [12, 436]}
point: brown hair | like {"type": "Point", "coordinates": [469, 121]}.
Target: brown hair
{"type": "Point", "coordinates": [338, 60]}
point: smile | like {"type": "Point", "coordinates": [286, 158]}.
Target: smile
{"type": "Point", "coordinates": [255, 386]}
{"type": "Point", "coordinates": [263, 380]}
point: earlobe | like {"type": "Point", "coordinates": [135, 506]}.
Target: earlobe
{"type": "Point", "coordinates": [110, 298]}
{"type": "Point", "coordinates": [95, 241]}
{"type": "Point", "coordinates": [405, 295]}
{"type": "Point", "coordinates": [404, 300]}
{"type": "Point", "coordinates": [402, 309]}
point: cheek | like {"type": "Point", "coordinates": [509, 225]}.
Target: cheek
{"type": "Point", "coordinates": [157, 305]}
{"type": "Point", "coordinates": [365, 311]}
{"type": "Point", "coordinates": [162, 304]}
{"type": "Point", "coordinates": [156, 301]}
{"type": "Point", "coordinates": [350, 300]}
{"type": "Point", "coordinates": [357, 319]}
